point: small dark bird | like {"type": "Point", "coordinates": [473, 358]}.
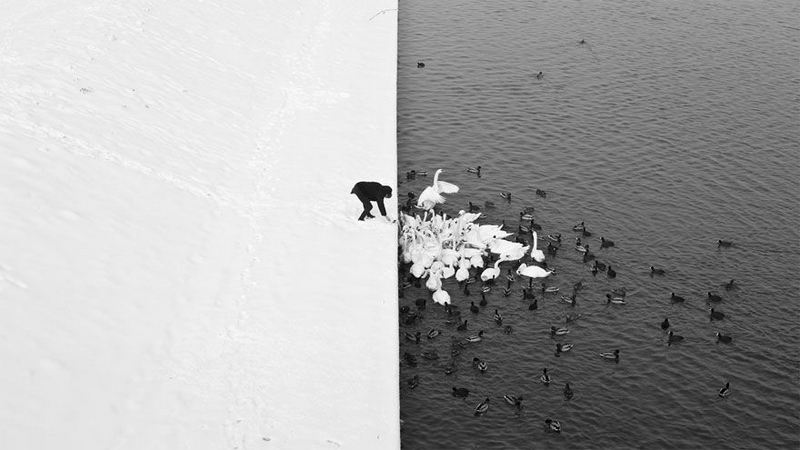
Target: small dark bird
{"type": "Point", "coordinates": [462, 327]}
{"type": "Point", "coordinates": [721, 243]}
{"type": "Point", "coordinates": [654, 271]}
{"type": "Point", "coordinates": [665, 324]}
{"type": "Point", "coordinates": [533, 305]}
{"type": "Point", "coordinates": [673, 338]}
{"type": "Point", "coordinates": [726, 391]}
{"type": "Point", "coordinates": [568, 392]}
{"type": "Point", "coordinates": [474, 309]}
{"type": "Point", "coordinates": [539, 76]}
{"type": "Point", "coordinates": [541, 193]}
{"type": "Point", "coordinates": [482, 407]}
{"type": "Point", "coordinates": [724, 339]}
{"type": "Point", "coordinates": [676, 298]}
{"type": "Point", "coordinates": [498, 319]}
{"type": "Point", "coordinates": [611, 272]}
{"type": "Point", "coordinates": [460, 392]}
{"type": "Point", "coordinates": [714, 297]}
{"type": "Point", "coordinates": [410, 359]}
{"type": "Point", "coordinates": [730, 286]}
{"type": "Point", "coordinates": [483, 301]}
{"type": "Point", "coordinates": [420, 64]}
{"type": "Point", "coordinates": [421, 303]}
{"type": "Point", "coordinates": [716, 315]}
{"type": "Point", "coordinates": [605, 243]}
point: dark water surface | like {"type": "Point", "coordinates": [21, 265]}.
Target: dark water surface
{"type": "Point", "coordinates": [674, 125]}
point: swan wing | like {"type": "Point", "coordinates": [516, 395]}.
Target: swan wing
{"type": "Point", "coordinates": [428, 198]}
{"type": "Point", "coordinates": [447, 188]}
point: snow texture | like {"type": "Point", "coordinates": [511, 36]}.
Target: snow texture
{"type": "Point", "coordinates": [180, 261]}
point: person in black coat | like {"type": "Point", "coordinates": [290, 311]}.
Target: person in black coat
{"type": "Point", "coordinates": [368, 192]}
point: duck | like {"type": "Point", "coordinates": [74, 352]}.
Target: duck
{"type": "Point", "coordinates": [449, 369]}
{"type": "Point", "coordinates": [614, 300]}
{"type": "Point", "coordinates": [580, 227]}
{"type": "Point", "coordinates": [473, 308]}
{"type": "Point", "coordinates": [466, 289]}
{"type": "Point", "coordinates": [514, 400]}
{"type": "Point", "coordinates": [620, 292]}
{"type": "Point", "coordinates": [654, 271]}
{"type": "Point", "coordinates": [420, 64]}
{"type": "Point", "coordinates": [433, 333]}
{"type": "Point", "coordinates": [524, 217]}
{"type": "Point", "coordinates": [476, 337]}
{"type": "Point", "coordinates": [562, 348]}
{"type": "Point", "coordinates": [571, 299]}
{"type": "Point", "coordinates": [527, 294]}
{"type": "Point", "coordinates": [673, 338]}
{"type": "Point", "coordinates": [610, 355]}
{"type": "Point", "coordinates": [506, 195]}
{"type": "Point", "coordinates": [571, 317]}
{"type": "Point", "coordinates": [586, 233]}
{"type": "Point", "coordinates": [549, 289]}
{"type": "Point", "coordinates": [545, 377]}
{"type": "Point", "coordinates": [510, 277]}
{"type": "Point", "coordinates": [553, 425]}
{"type": "Point", "coordinates": [483, 301]}
{"type": "Point", "coordinates": [498, 319]}
{"type": "Point", "coordinates": [579, 247]}
{"type": "Point", "coordinates": [463, 326]}
{"type": "Point", "coordinates": [726, 391]}
{"type": "Point", "coordinates": [522, 229]}
{"type": "Point", "coordinates": [721, 243]}
{"type": "Point", "coordinates": [554, 331]}
{"type": "Point", "coordinates": [539, 76]}
{"type": "Point", "coordinates": [600, 266]}
{"type": "Point", "coordinates": [474, 169]}
{"type": "Point", "coordinates": [555, 237]}
{"type": "Point", "coordinates": [724, 339]}
{"type": "Point", "coordinates": [587, 255]}
{"type": "Point", "coordinates": [410, 359]}
{"type": "Point", "coordinates": [506, 291]}
{"type": "Point", "coordinates": [568, 392]}
{"type": "Point", "coordinates": [474, 208]}
{"type": "Point", "coordinates": [676, 298]}
{"type": "Point", "coordinates": [413, 336]}
{"type": "Point", "coordinates": [716, 315]}
{"type": "Point", "coordinates": [413, 382]}
{"type": "Point", "coordinates": [460, 392]}
{"type": "Point", "coordinates": [534, 305]}
{"type": "Point", "coordinates": [483, 366]}
{"type": "Point", "coordinates": [593, 270]}
{"type": "Point", "coordinates": [730, 286]}
{"type": "Point", "coordinates": [430, 354]}
{"type": "Point", "coordinates": [488, 203]}
{"type": "Point", "coordinates": [714, 297]}
{"type": "Point", "coordinates": [605, 243]}
{"type": "Point", "coordinates": [482, 407]}
{"type": "Point", "coordinates": [611, 272]}
{"type": "Point", "coordinates": [665, 324]}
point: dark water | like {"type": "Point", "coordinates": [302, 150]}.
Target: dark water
{"type": "Point", "coordinates": [674, 125]}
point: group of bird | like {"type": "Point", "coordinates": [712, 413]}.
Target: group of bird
{"type": "Point", "coordinates": [436, 247]}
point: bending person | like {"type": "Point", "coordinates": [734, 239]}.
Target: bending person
{"type": "Point", "coordinates": [368, 192]}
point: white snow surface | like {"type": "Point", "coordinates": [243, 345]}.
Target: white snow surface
{"type": "Point", "coordinates": [180, 261]}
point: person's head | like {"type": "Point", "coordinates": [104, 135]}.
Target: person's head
{"type": "Point", "coordinates": [387, 192]}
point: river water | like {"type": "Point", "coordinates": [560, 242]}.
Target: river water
{"type": "Point", "coordinates": [671, 126]}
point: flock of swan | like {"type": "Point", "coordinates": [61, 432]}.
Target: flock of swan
{"type": "Point", "coordinates": [434, 247]}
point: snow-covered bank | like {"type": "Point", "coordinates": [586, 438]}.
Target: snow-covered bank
{"type": "Point", "coordinates": [180, 265]}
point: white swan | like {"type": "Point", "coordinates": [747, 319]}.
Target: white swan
{"type": "Point", "coordinates": [536, 254]}
{"type": "Point", "coordinates": [441, 297]}
{"type": "Point", "coordinates": [532, 271]}
{"type": "Point", "coordinates": [434, 282]}
{"type": "Point", "coordinates": [492, 272]}
{"type": "Point", "coordinates": [432, 195]}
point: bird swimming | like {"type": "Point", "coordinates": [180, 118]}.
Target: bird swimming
{"type": "Point", "coordinates": [673, 338]}
{"type": "Point", "coordinates": [665, 324]}
{"type": "Point", "coordinates": [610, 355]}
{"type": "Point", "coordinates": [676, 298]}
{"type": "Point", "coordinates": [611, 272]}
{"type": "Point", "coordinates": [714, 297]}
{"type": "Point", "coordinates": [721, 243]}
{"type": "Point", "coordinates": [545, 377]}
{"type": "Point", "coordinates": [476, 337]}
{"type": "Point", "coordinates": [568, 392]}
{"type": "Point", "coordinates": [726, 391]}
{"type": "Point", "coordinates": [724, 339]}
{"type": "Point", "coordinates": [716, 315]}
{"type": "Point", "coordinates": [482, 407]}
{"type": "Point", "coordinates": [558, 331]}
{"type": "Point", "coordinates": [614, 300]}
{"type": "Point", "coordinates": [654, 271]}
{"type": "Point", "coordinates": [605, 243]}
{"type": "Point", "coordinates": [553, 425]}
{"type": "Point", "coordinates": [460, 392]}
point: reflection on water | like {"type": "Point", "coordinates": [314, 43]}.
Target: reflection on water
{"type": "Point", "coordinates": [664, 127]}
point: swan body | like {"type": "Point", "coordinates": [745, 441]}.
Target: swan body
{"type": "Point", "coordinates": [536, 254]}
{"type": "Point", "coordinates": [533, 271]}
{"type": "Point", "coordinates": [441, 297]}
{"type": "Point", "coordinates": [432, 195]}
{"type": "Point", "coordinates": [492, 272]}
